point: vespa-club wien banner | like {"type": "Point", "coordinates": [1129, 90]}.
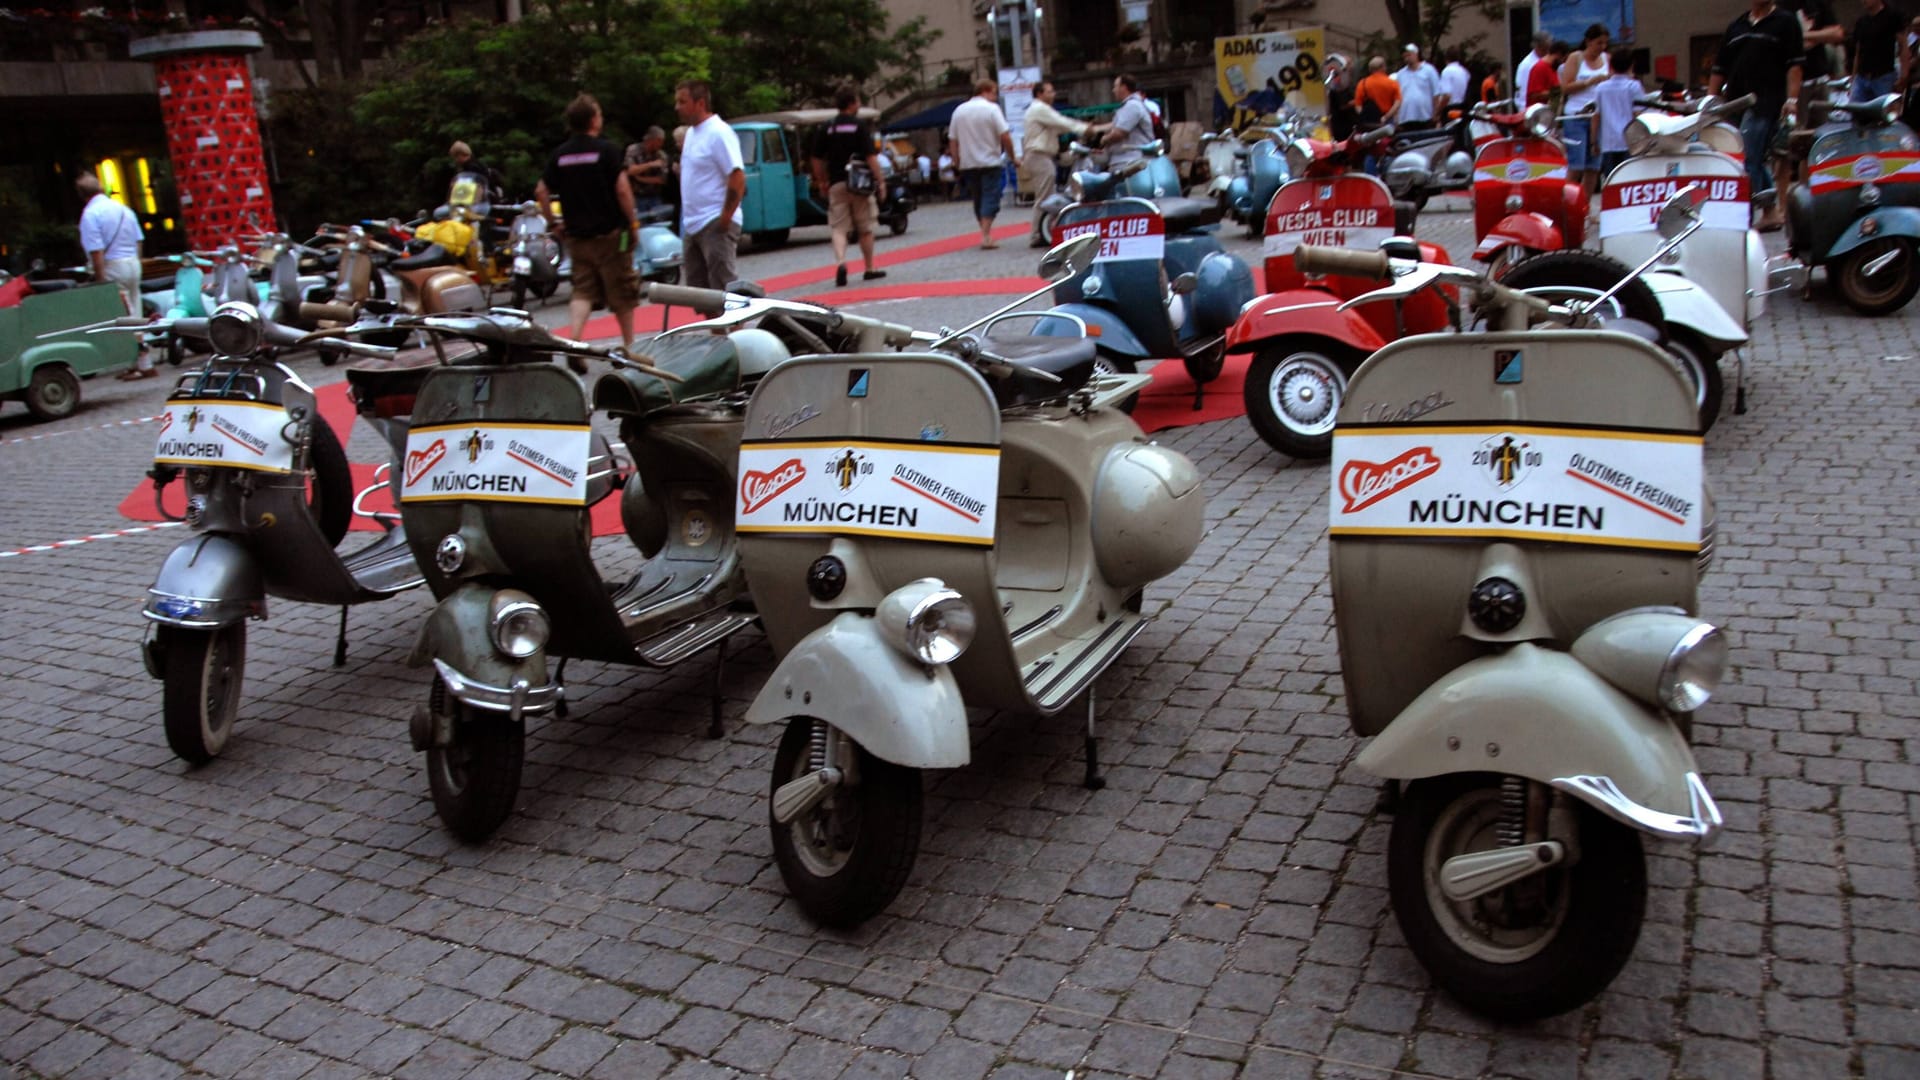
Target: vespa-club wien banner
{"type": "Point", "coordinates": [1257, 74]}
{"type": "Point", "coordinates": [1570, 485]}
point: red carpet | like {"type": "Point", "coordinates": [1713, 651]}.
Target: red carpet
{"type": "Point", "coordinates": [1168, 403]}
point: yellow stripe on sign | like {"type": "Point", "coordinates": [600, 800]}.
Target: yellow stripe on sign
{"type": "Point", "coordinates": [1510, 534]}
{"type": "Point", "coordinates": [1522, 429]}
{"type": "Point", "coordinates": [815, 530]}
{"type": "Point", "coordinates": [914, 446]}
{"type": "Point", "coordinates": [492, 424]}
{"type": "Point", "coordinates": [203, 463]}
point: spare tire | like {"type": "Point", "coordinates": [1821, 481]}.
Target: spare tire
{"type": "Point", "coordinates": [1586, 275]}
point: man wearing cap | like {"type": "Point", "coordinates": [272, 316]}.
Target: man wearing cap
{"type": "Point", "coordinates": [1419, 91]}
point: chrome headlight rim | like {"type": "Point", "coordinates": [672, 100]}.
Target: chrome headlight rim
{"type": "Point", "coordinates": [1538, 121]}
{"type": "Point", "coordinates": [235, 329]}
{"type": "Point", "coordinates": [1298, 156]}
{"type": "Point", "coordinates": [519, 626]}
{"type": "Point", "coordinates": [928, 621]}
{"type": "Point", "coordinates": [1693, 669]}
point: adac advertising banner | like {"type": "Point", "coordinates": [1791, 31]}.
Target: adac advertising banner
{"type": "Point", "coordinates": [230, 434]}
{"type": "Point", "coordinates": [1257, 74]}
{"type": "Point", "coordinates": [494, 462]}
{"type": "Point", "coordinates": [1597, 486]}
{"type": "Point", "coordinates": [869, 487]}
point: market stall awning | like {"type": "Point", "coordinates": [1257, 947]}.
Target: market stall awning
{"type": "Point", "coordinates": [936, 117]}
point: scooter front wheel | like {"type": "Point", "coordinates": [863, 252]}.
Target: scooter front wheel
{"type": "Point", "coordinates": [1878, 277]}
{"type": "Point", "coordinates": [475, 778]}
{"type": "Point", "coordinates": [1545, 944]}
{"type": "Point", "coordinates": [201, 675]}
{"type": "Point", "coordinates": [1293, 393]}
{"type": "Point", "coordinates": [847, 856]}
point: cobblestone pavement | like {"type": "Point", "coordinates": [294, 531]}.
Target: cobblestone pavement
{"type": "Point", "coordinates": [294, 909]}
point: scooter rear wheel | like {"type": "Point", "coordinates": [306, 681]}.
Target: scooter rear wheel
{"type": "Point", "coordinates": [475, 779]}
{"type": "Point", "coordinates": [201, 675]}
{"type": "Point", "coordinates": [1543, 945]}
{"type": "Point", "coordinates": [1294, 390]}
{"type": "Point", "coordinates": [845, 859]}
{"type": "Point", "coordinates": [1887, 290]}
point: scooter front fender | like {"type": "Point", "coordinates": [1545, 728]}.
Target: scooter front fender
{"type": "Point", "coordinates": [457, 638]}
{"type": "Point", "coordinates": [208, 581]}
{"type": "Point", "coordinates": [1543, 715]}
{"type": "Point", "coordinates": [898, 709]}
{"type": "Point", "coordinates": [1301, 311]}
{"type": "Point", "coordinates": [1109, 330]}
{"type": "Point", "coordinates": [1685, 304]}
{"type": "Point", "coordinates": [1531, 231]}
{"type": "Point", "coordinates": [1885, 221]}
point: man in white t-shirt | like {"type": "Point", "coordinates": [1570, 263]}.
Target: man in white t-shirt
{"type": "Point", "coordinates": [980, 141]}
{"type": "Point", "coordinates": [1542, 43]}
{"type": "Point", "coordinates": [713, 181]}
{"type": "Point", "coordinates": [1419, 91]}
{"type": "Point", "coordinates": [1454, 79]}
{"type": "Point", "coordinates": [110, 235]}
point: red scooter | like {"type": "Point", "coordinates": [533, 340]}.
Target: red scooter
{"type": "Point", "coordinates": [1523, 203]}
{"type": "Point", "coordinates": [1304, 346]}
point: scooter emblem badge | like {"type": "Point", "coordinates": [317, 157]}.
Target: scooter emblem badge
{"type": "Point", "coordinates": [1519, 170]}
{"type": "Point", "coordinates": [1867, 168]}
{"type": "Point", "coordinates": [420, 461]}
{"type": "Point", "coordinates": [1508, 460]}
{"type": "Point", "coordinates": [193, 419]}
{"type": "Point", "coordinates": [848, 468]}
{"type": "Point", "coordinates": [473, 445]}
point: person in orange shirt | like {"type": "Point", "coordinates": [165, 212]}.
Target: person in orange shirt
{"type": "Point", "coordinates": [1492, 89]}
{"type": "Point", "coordinates": [1378, 95]}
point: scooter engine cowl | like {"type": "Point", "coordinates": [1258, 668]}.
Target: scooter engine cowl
{"type": "Point", "coordinates": [1148, 513]}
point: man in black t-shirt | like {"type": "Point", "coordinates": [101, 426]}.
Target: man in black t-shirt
{"type": "Point", "coordinates": [846, 137]}
{"type": "Point", "coordinates": [1762, 54]}
{"type": "Point", "coordinates": [587, 175]}
{"type": "Point", "coordinates": [1876, 50]}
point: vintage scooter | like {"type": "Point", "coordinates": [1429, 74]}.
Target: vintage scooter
{"type": "Point", "coordinates": [931, 530]}
{"type": "Point", "coordinates": [1858, 214]}
{"type": "Point", "coordinates": [1160, 287]}
{"type": "Point", "coordinates": [536, 255]}
{"type": "Point", "coordinates": [202, 283]}
{"type": "Point", "coordinates": [1422, 164]}
{"type": "Point", "coordinates": [1255, 170]}
{"type": "Point", "coordinates": [268, 496]}
{"type": "Point", "coordinates": [1711, 288]}
{"type": "Point", "coordinates": [1152, 176]}
{"type": "Point", "coordinates": [1514, 592]}
{"type": "Point", "coordinates": [1523, 203]}
{"type": "Point", "coordinates": [1305, 345]}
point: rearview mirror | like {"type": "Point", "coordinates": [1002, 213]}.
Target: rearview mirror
{"type": "Point", "coordinates": [1070, 257]}
{"type": "Point", "coordinates": [1681, 210]}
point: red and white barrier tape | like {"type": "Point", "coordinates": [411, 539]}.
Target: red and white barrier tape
{"type": "Point", "coordinates": [88, 539]}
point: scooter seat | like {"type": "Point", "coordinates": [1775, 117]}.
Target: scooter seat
{"type": "Point", "coordinates": [432, 255]}
{"type": "Point", "coordinates": [386, 388]}
{"type": "Point", "coordinates": [1069, 360]}
{"type": "Point", "coordinates": [707, 365]}
{"type": "Point", "coordinates": [1183, 214]}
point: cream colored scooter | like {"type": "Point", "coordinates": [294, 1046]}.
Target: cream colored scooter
{"type": "Point", "coordinates": [1514, 589]}
{"type": "Point", "coordinates": [969, 524]}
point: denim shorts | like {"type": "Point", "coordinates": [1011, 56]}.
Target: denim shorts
{"type": "Point", "coordinates": [983, 187]}
{"type": "Point", "coordinates": [1577, 133]}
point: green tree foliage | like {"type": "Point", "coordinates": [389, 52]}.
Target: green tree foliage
{"type": "Point", "coordinates": [376, 146]}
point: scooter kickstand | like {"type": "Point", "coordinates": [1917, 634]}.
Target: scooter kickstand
{"type": "Point", "coordinates": [1740, 382]}
{"type": "Point", "coordinates": [340, 642]}
{"type": "Point", "coordinates": [1094, 781]}
{"type": "Point", "coordinates": [716, 729]}
{"type": "Point", "coordinates": [560, 680]}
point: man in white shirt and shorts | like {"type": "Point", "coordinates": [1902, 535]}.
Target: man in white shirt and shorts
{"type": "Point", "coordinates": [110, 235]}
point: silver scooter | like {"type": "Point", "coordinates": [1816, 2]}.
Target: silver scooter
{"type": "Point", "coordinates": [1514, 587]}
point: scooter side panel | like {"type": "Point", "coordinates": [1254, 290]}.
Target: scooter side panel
{"type": "Point", "coordinates": [1112, 332]}
{"type": "Point", "coordinates": [1685, 303]}
{"type": "Point", "coordinates": [845, 673]}
{"type": "Point", "coordinates": [1301, 311]}
{"type": "Point", "coordinates": [1543, 715]}
{"type": "Point", "coordinates": [294, 555]}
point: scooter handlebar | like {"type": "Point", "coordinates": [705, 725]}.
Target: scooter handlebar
{"type": "Point", "coordinates": [1314, 259]}
{"type": "Point", "coordinates": [707, 302]}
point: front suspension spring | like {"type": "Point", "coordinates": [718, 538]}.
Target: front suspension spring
{"type": "Point", "coordinates": [1512, 830]}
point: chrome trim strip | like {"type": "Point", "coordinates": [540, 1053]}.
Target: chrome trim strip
{"type": "Point", "coordinates": [516, 701]}
{"type": "Point", "coordinates": [1703, 815]}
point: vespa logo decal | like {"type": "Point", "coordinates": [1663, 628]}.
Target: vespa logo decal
{"type": "Point", "coordinates": [1867, 168]}
{"type": "Point", "coordinates": [757, 489]}
{"type": "Point", "coordinates": [166, 421]}
{"type": "Point", "coordinates": [1364, 483]}
{"type": "Point", "coordinates": [419, 461]}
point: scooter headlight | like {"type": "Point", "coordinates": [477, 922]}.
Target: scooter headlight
{"type": "Point", "coordinates": [1538, 121]}
{"type": "Point", "coordinates": [520, 626]}
{"type": "Point", "coordinates": [235, 329]}
{"type": "Point", "coordinates": [1666, 658]}
{"type": "Point", "coordinates": [927, 621]}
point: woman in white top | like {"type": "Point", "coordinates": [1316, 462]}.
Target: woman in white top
{"type": "Point", "coordinates": [1583, 71]}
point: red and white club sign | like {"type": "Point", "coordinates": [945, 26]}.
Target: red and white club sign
{"type": "Point", "coordinates": [1568, 485]}
{"type": "Point", "coordinates": [1634, 207]}
{"type": "Point", "coordinates": [1135, 236]}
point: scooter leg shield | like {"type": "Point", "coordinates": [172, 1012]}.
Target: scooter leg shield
{"type": "Point", "coordinates": [897, 708]}
{"type": "Point", "coordinates": [1543, 715]}
{"type": "Point", "coordinates": [208, 581]}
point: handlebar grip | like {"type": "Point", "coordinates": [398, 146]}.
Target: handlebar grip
{"type": "Point", "coordinates": [1313, 259]}
{"type": "Point", "coordinates": [313, 313]}
{"type": "Point", "coordinates": [704, 301]}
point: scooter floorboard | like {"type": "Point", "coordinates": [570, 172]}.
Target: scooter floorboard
{"type": "Point", "coordinates": [385, 566]}
{"type": "Point", "coordinates": [1056, 678]}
